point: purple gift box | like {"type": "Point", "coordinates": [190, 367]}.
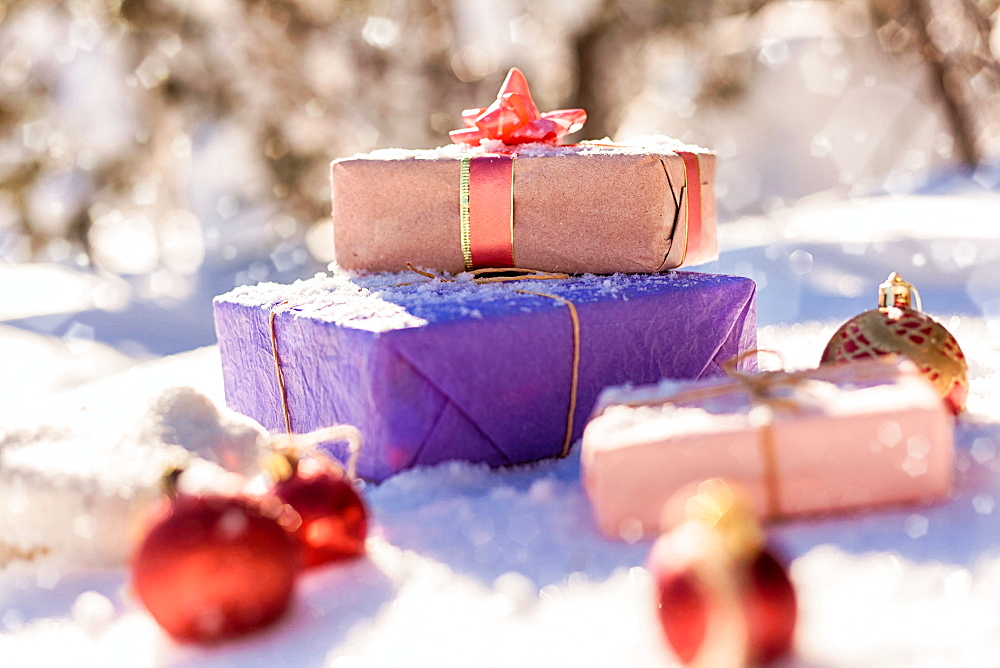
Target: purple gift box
{"type": "Point", "coordinates": [431, 371]}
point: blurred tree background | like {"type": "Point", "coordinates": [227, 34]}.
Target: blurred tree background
{"type": "Point", "coordinates": [167, 140]}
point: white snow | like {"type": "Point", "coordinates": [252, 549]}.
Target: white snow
{"type": "Point", "coordinates": [639, 144]}
{"type": "Point", "coordinates": [472, 566]}
{"type": "Point", "coordinates": [388, 301]}
{"type": "Point", "coordinates": [76, 482]}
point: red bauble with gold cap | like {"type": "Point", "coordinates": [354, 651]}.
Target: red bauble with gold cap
{"type": "Point", "coordinates": [334, 519]}
{"type": "Point", "coordinates": [214, 567]}
{"type": "Point", "coordinates": [896, 327]}
{"type": "Point", "coordinates": [723, 597]}
{"type": "Point", "coordinates": [331, 519]}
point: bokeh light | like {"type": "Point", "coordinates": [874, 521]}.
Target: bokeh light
{"type": "Point", "coordinates": [181, 145]}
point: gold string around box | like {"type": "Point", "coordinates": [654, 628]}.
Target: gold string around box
{"type": "Point", "coordinates": [505, 275]}
{"type": "Point", "coordinates": [293, 443]}
{"type": "Point", "coordinates": [277, 369]}
{"type": "Point", "coordinates": [760, 388]}
{"type": "Point", "coordinates": [484, 275]}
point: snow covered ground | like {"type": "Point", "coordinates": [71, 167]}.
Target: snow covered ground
{"type": "Point", "coordinates": [475, 567]}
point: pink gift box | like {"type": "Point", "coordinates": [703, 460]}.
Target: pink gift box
{"type": "Point", "coordinates": [835, 438]}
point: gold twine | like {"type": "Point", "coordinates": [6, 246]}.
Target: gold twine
{"type": "Point", "coordinates": [290, 441]}
{"type": "Point", "coordinates": [277, 369]}
{"type": "Point", "coordinates": [760, 387]}
{"type": "Point", "coordinates": [491, 275]}
{"type": "Point", "coordinates": [504, 275]}
{"type": "Point", "coordinates": [484, 275]}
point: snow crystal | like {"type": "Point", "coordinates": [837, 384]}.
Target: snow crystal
{"type": "Point", "coordinates": [916, 526]}
{"type": "Point", "coordinates": [984, 503]}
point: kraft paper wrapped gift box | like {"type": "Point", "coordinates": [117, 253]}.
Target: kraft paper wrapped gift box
{"type": "Point", "coordinates": [589, 207]}
{"type": "Point", "coordinates": [845, 437]}
{"type": "Point", "coordinates": [481, 372]}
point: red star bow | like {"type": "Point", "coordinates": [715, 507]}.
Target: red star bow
{"type": "Point", "coordinates": [514, 119]}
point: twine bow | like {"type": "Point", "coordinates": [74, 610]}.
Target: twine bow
{"type": "Point", "coordinates": [761, 388]}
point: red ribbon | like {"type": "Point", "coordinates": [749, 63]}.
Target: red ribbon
{"type": "Point", "coordinates": [491, 204]}
{"type": "Point", "coordinates": [491, 200]}
{"type": "Point", "coordinates": [692, 173]}
{"type": "Point", "coordinates": [514, 119]}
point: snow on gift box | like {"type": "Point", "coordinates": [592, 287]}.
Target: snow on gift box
{"type": "Point", "coordinates": [501, 373]}
{"type": "Point", "coordinates": [508, 195]}
{"type": "Point", "coordinates": [838, 437]}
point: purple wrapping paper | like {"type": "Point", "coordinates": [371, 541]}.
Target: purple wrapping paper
{"type": "Point", "coordinates": [437, 371]}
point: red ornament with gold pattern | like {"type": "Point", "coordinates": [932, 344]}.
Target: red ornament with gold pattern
{"type": "Point", "coordinates": [898, 326]}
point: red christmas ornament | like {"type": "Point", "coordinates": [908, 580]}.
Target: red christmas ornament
{"type": "Point", "coordinates": [770, 608]}
{"type": "Point", "coordinates": [214, 567]}
{"type": "Point", "coordinates": [723, 598]}
{"type": "Point", "coordinates": [896, 327]}
{"type": "Point", "coordinates": [684, 602]}
{"type": "Point", "coordinates": [334, 520]}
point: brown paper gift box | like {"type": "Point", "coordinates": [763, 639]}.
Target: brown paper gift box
{"type": "Point", "coordinates": [582, 208]}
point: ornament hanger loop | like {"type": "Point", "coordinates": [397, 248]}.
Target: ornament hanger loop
{"type": "Point", "coordinates": [897, 292]}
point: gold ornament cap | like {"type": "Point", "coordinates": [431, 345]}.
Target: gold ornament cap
{"type": "Point", "coordinates": [898, 326]}
{"type": "Point", "coordinates": [722, 507]}
{"type": "Point", "coordinates": [897, 292]}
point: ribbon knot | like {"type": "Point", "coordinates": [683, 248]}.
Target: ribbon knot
{"type": "Point", "coordinates": [762, 389]}
{"type": "Point", "coordinates": [762, 386]}
{"type": "Point", "coordinates": [513, 118]}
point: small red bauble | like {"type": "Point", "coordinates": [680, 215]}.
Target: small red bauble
{"type": "Point", "coordinates": [214, 567]}
{"type": "Point", "coordinates": [717, 611]}
{"type": "Point", "coordinates": [723, 598]}
{"type": "Point", "coordinates": [334, 518]}
{"type": "Point", "coordinates": [684, 611]}
{"type": "Point", "coordinates": [770, 607]}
